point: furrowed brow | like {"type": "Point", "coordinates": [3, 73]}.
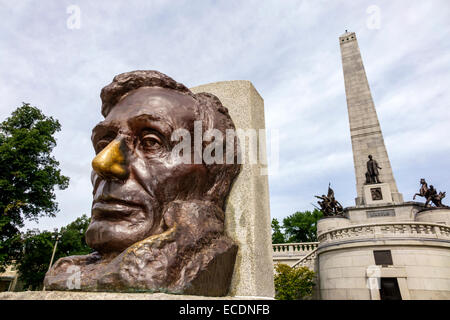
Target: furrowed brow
{"type": "Point", "coordinates": [103, 128]}
{"type": "Point", "coordinates": [151, 120]}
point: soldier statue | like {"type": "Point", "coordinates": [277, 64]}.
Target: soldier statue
{"type": "Point", "coordinates": [329, 205]}
{"type": "Point", "coordinates": [430, 194]}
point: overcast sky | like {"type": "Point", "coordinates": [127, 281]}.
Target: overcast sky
{"type": "Point", "coordinates": [289, 50]}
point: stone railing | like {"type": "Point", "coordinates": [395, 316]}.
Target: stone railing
{"type": "Point", "coordinates": [294, 249]}
{"type": "Point", "coordinates": [410, 230]}
{"type": "Point", "coordinates": [307, 261]}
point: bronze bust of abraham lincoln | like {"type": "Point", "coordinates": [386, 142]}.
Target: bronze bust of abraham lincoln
{"type": "Point", "coordinates": [157, 223]}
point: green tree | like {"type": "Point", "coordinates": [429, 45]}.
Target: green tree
{"type": "Point", "coordinates": [293, 283]}
{"type": "Point", "coordinates": [28, 177]}
{"type": "Point", "coordinates": [277, 234]}
{"type": "Point", "coordinates": [38, 249]}
{"type": "Point", "coordinates": [72, 241]}
{"type": "Point", "coordinates": [33, 264]}
{"type": "Point", "coordinates": [302, 226]}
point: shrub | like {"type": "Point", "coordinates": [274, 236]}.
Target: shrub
{"type": "Point", "coordinates": [293, 283]}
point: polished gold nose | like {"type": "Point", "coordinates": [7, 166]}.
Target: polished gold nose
{"type": "Point", "coordinates": [111, 161]}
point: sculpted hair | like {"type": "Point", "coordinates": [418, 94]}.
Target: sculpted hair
{"type": "Point", "coordinates": [209, 110]}
{"type": "Point", "coordinates": [126, 82]}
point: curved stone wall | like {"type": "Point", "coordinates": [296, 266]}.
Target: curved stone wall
{"type": "Point", "coordinates": [329, 223]}
{"type": "Point", "coordinates": [387, 231]}
{"type": "Point", "coordinates": [420, 255]}
{"type": "Point", "coordinates": [434, 215]}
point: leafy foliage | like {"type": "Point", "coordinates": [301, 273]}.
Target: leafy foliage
{"type": "Point", "coordinates": [277, 234]}
{"type": "Point", "coordinates": [298, 227]}
{"type": "Point", "coordinates": [302, 226]}
{"type": "Point", "coordinates": [72, 241]}
{"type": "Point", "coordinates": [38, 249]}
{"type": "Point", "coordinates": [32, 266]}
{"type": "Point", "coordinates": [293, 283]}
{"type": "Point", "coordinates": [29, 175]}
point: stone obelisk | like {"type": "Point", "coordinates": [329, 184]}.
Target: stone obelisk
{"type": "Point", "coordinates": [365, 130]}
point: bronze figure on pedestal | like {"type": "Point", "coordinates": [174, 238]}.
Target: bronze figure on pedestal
{"type": "Point", "coordinates": [372, 174]}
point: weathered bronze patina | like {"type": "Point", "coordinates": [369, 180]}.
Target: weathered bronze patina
{"type": "Point", "coordinates": [430, 194]}
{"type": "Point", "coordinates": [157, 223]}
{"type": "Point", "coordinates": [372, 174]}
{"type": "Point", "coordinates": [329, 205]}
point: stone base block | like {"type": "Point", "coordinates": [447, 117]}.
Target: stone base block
{"type": "Point", "coordinates": [377, 193]}
{"type": "Point", "coordinates": [247, 208]}
{"type": "Point", "coordinates": [397, 197]}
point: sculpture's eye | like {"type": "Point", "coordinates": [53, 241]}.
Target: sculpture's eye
{"type": "Point", "coordinates": [150, 142]}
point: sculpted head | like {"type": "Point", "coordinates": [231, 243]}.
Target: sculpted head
{"type": "Point", "coordinates": [135, 174]}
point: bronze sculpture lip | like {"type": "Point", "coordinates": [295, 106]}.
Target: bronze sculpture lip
{"type": "Point", "coordinates": [113, 208]}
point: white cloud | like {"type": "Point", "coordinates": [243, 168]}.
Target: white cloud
{"type": "Point", "coordinates": [288, 49]}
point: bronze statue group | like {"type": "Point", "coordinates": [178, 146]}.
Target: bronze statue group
{"type": "Point", "coordinates": [430, 194]}
{"type": "Point", "coordinates": [331, 207]}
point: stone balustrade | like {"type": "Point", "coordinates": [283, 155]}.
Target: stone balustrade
{"type": "Point", "coordinates": [294, 249]}
{"type": "Point", "coordinates": [307, 261]}
{"type": "Point", "coordinates": [409, 230]}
